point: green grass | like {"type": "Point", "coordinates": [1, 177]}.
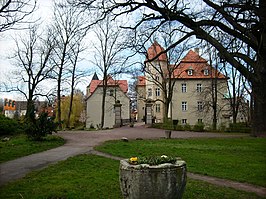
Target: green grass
{"type": "Point", "coordinates": [94, 177]}
{"type": "Point", "coordinates": [239, 159]}
{"type": "Point", "coordinates": [19, 146]}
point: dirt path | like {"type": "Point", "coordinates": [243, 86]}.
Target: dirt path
{"type": "Point", "coordinates": [79, 142]}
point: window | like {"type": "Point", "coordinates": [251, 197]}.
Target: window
{"type": "Point", "coordinates": [157, 78]}
{"type": "Point", "coordinates": [111, 92]}
{"type": "Point", "coordinates": [184, 106]}
{"type": "Point", "coordinates": [184, 88]}
{"type": "Point", "coordinates": [200, 106]}
{"type": "Point", "coordinates": [158, 108]}
{"type": "Point", "coordinates": [190, 72]}
{"type": "Point", "coordinates": [149, 92]}
{"type": "Point", "coordinates": [157, 92]}
{"type": "Point", "coordinates": [200, 121]}
{"type": "Point", "coordinates": [184, 121]}
{"type": "Point", "coordinates": [199, 88]}
{"type": "Point", "coordinates": [206, 72]}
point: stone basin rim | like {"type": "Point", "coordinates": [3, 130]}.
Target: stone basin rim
{"type": "Point", "coordinates": [126, 165]}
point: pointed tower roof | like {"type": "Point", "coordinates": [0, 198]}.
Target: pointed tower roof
{"type": "Point", "coordinates": [154, 50]}
{"type": "Point", "coordinates": [95, 77]}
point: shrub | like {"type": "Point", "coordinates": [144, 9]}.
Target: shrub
{"type": "Point", "coordinates": [199, 127]}
{"type": "Point", "coordinates": [168, 125]}
{"type": "Point", "coordinates": [37, 129]}
{"type": "Point", "coordinates": [187, 127]}
{"type": "Point", "coordinates": [222, 127]}
{"type": "Point", "coordinates": [179, 127]}
{"type": "Point", "coordinates": [157, 125]}
{"type": "Point", "coordinates": [9, 126]}
{"type": "Point", "coordinates": [241, 127]}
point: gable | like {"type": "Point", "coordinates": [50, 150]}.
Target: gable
{"type": "Point", "coordinates": [110, 83]}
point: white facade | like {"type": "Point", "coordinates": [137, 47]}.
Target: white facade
{"type": "Point", "coordinates": [94, 104]}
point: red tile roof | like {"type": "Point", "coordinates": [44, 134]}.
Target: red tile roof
{"type": "Point", "coordinates": [111, 82]}
{"type": "Point", "coordinates": [192, 56]}
{"type": "Point", "coordinates": [154, 50]}
{"type": "Point", "coordinates": [192, 61]}
{"type": "Point", "coordinates": [141, 81]}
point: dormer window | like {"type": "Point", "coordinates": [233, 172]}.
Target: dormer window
{"type": "Point", "coordinates": [206, 72]}
{"type": "Point", "coordinates": [190, 72]}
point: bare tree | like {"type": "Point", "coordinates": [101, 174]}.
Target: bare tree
{"type": "Point", "coordinates": [69, 26]}
{"type": "Point", "coordinates": [236, 89]}
{"type": "Point", "coordinates": [75, 73]}
{"type": "Point", "coordinates": [14, 13]}
{"type": "Point", "coordinates": [109, 51]}
{"type": "Point", "coordinates": [32, 56]}
{"type": "Point", "coordinates": [244, 21]}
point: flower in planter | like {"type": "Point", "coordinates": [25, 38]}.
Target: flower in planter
{"type": "Point", "coordinates": [133, 160]}
{"type": "Point", "coordinates": [152, 160]}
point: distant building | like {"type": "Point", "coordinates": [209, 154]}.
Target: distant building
{"type": "Point", "coordinates": [20, 109]}
{"type": "Point", "coordinates": [194, 79]}
{"type": "Point", "coordinates": [116, 91]}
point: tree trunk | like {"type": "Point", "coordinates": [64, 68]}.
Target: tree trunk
{"type": "Point", "coordinates": [71, 96]}
{"type": "Point", "coordinates": [70, 106]}
{"type": "Point", "coordinates": [259, 87]}
{"type": "Point", "coordinates": [103, 107]}
{"type": "Point", "coordinates": [259, 112]}
{"type": "Point", "coordinates": [58, 111]}
{"type": "Point", "coordinates": [30, 114]}
{"type": "Point", "coordinates": [105, 80]}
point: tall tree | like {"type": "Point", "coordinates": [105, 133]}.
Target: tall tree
{"type": "Point", "coordinates": [33, 60]}
{"type": "Point", "coordinates": [236, 90]}
{"type": "Point", "coordinates": [69, 26]}
{"type": "Point", "coordinates": [244, 21]}
{"type": "Point", "coordinates": [14, 13]}
{"type": "Point", "coordinates": [76, 74]}
{"type": "Point", "coordinates": [109, 48]}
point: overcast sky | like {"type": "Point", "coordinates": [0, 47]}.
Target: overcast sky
{"type": "Point", "coordinates": [7, 45]}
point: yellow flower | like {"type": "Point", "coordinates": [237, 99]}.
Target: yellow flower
{"type": "Point", "coordinates": [164, 156]}
{"type": "Point", "coordinates": [133, 160]}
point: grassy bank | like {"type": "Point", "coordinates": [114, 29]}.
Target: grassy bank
{"type": "Point", "coordinates": [18, 146]}
{"type": "Point", "coordinates": [239, 159]}
{"type": "Point", "coordinates": [89, 176]}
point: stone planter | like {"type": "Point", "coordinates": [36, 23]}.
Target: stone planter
{"type": "Point", "coordinates": [168, 134]}
{"type": "Point", "coordinates": [164, 181]}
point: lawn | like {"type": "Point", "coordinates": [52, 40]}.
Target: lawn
{"type": "Point", "coordinates": [239, 159]}
{"type": "Point", "coordinates": [19, 146]}
{"type": "Point", "coordinates": [94, 177]}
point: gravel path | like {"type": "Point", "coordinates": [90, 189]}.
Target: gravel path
{"type": "Point", "coordinates": [79, 142]}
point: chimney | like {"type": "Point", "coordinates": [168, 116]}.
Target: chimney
{"type": "Point", "coordinates": [196, 50]}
